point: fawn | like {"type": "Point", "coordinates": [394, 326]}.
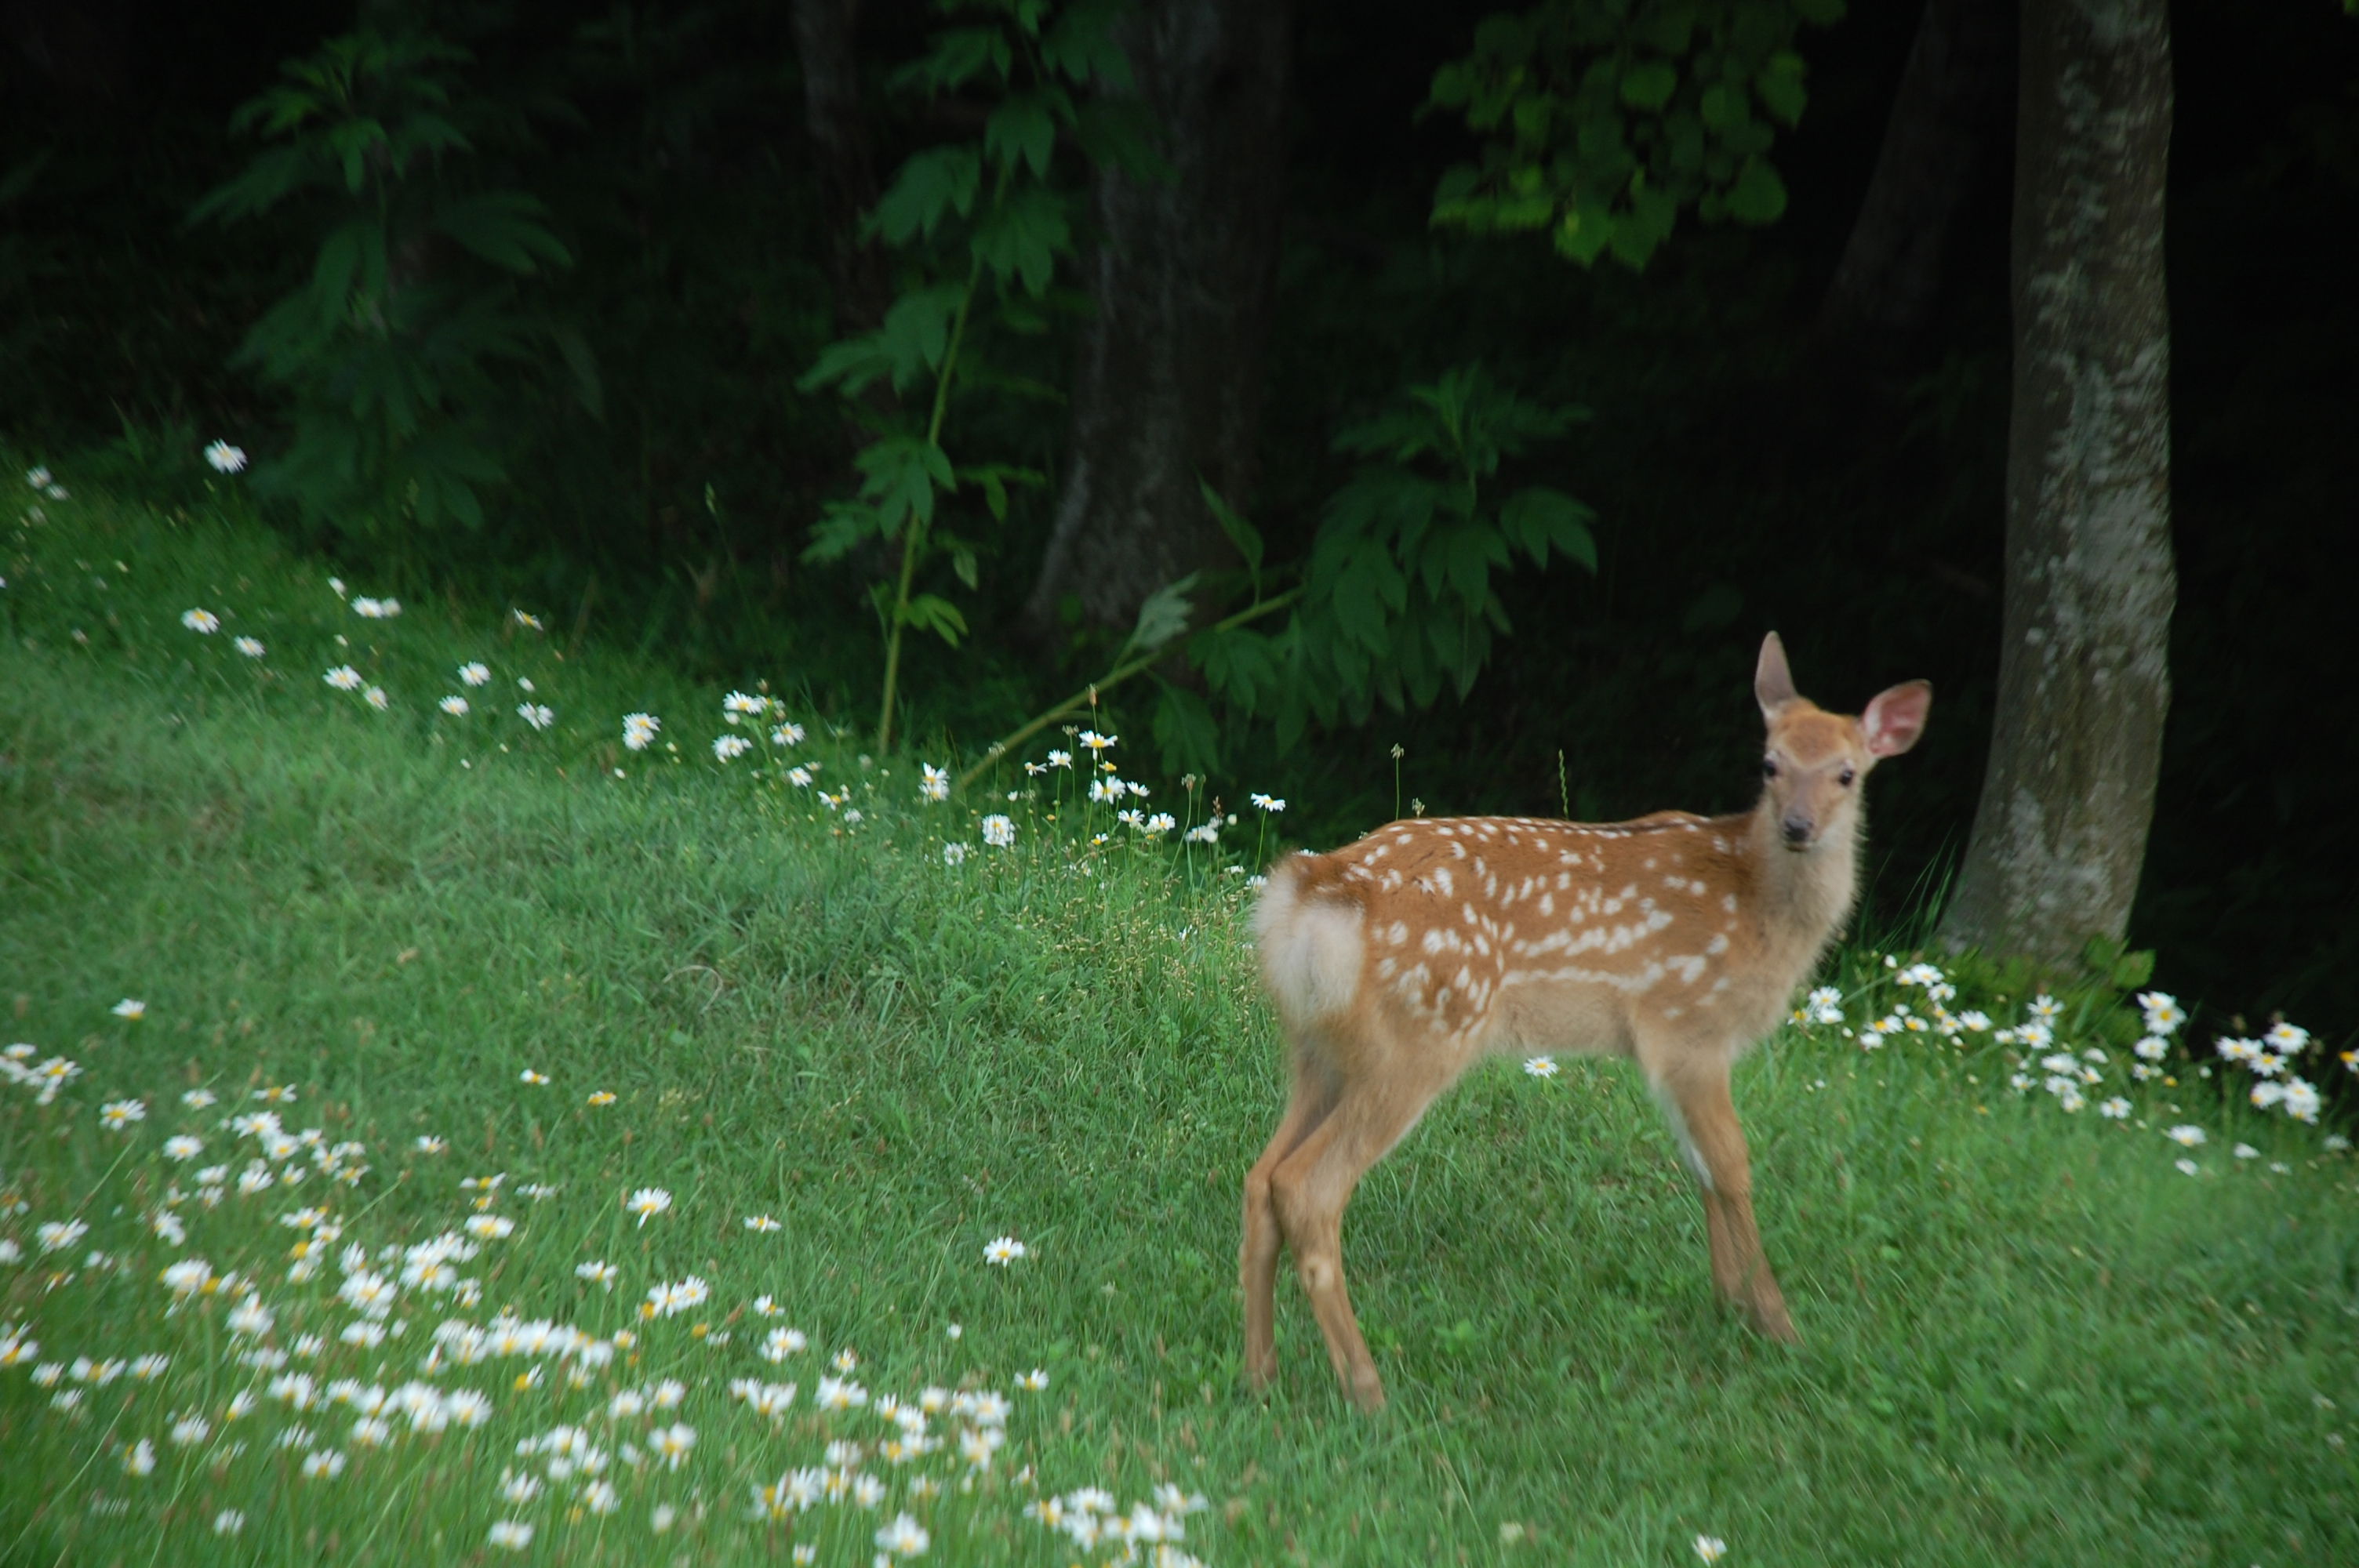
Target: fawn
{"type": "Point", "coordinates": [1399, 961]}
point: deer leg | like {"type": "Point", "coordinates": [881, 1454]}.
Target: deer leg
{"type": "Point", "coordinates": [1704, 1117]}
{"type": "Point", "coordinates": [1313, 1099]}
{"type": "Point", "coordinates": [1309, 1190]}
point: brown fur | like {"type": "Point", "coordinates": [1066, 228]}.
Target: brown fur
{"type": "Point", "coordinates": [1399, 961]}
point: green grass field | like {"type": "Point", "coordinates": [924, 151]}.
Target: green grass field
{"type": "Point", "coordinates": [510, 989]}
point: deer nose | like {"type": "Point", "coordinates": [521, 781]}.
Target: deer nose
{"type": "Point", "coordinates": [1796, 830]}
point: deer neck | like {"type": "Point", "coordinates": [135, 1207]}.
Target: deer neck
{"type": "Point", "coordinates": [1803, 897]}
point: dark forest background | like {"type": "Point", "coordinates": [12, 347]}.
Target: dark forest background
{"type": "Point", "coordinates": [1748, 469]}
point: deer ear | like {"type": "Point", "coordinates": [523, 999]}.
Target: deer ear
{"type": "Point", "coordinates": [1894, 719]}
{"type": "Point", "coordinates": [1773, 684]}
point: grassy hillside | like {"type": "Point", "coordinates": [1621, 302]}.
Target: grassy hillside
{"type": "Point", "coordinates": [514, 976]}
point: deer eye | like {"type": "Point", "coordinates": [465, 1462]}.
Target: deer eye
{"type": "Point", "coordinates": [1768, 767]}
{"type": "Point", "coordinates": [1845, 777]}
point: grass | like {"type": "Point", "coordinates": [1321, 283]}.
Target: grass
{"type": "Point", "coordinates": [2029, 1338]}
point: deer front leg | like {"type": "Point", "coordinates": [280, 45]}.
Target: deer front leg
{"type": "Point", "coordinates": [1703, 1117]}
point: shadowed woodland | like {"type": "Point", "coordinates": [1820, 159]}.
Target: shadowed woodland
{"type": "Point", "coordinates": [1205, 301]}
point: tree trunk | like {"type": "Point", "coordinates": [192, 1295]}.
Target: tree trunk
{"type": "Point", "coordinates": [825, 38]}
{"type": "Point", "coordinates": [2084, 673]}
{"type": "Point", "coordinates": [1951, 103]}
{"type": "Point", "coordinates": [1169, 387]}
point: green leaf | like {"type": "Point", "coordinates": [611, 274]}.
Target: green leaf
{"type": "Point", "coordinates": [1781, 88]}
{"type": "Point", "coordinates": [1469, 553]}
{"type": "Point", "coordinates": [339, 259]}
{"type": "Point", "coordinates": [1021, 130]}
{"type": "Point", "coordinates": [1368, 584]}
{"type": "Point", "coordinates": [1724, 108]}
{"type": "Point", "coordinates": [1023, 235]}
{"type": "Point", "coordinates": [503, 227]}
{"type": "Point", "coordinates": [957, 56]}
{"type": "Point", "coordinates": [1238, 664]}
{"type": "Point", "coordinates": [851, 366]}
{"type": "Point", "coordinates": [1541, 520]}
{"type": "Point", "coordinates": [911, 342]}
{"type": "Point", "coordinates": [930, 186]}
{"type": "Point", "coordinates": [1080, 45]}
{"type": "Point", "coordinates": [1758, 196]}
{"type": "Point", "coordinates": [1584, 232]}
{"type": "Point", "coordinates": [1649, 84]}
{"type": "Point", "coordinates": [1163, 617]}
{"type": "Point", "coordinates": [899, 474]}
{"type": "Point", "coordinates": [962, 563]}
{"type": "Point", "coordinates": [993, 480]}
{"type": "Point", "coordinates": [1241, 534]}
{"type": "Point", "coordinates": [1185, 731]}
{"type": "Point", "coordinates": [932, 612]}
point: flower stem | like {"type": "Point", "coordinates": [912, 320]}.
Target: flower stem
{"type": "Point", "coordinates": [913, 535]}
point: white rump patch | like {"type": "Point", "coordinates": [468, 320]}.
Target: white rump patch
{"type": "Point", "coordinates": [1310, 949]}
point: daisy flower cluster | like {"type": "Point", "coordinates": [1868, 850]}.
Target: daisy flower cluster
{"type": "Point", "coordinates": [1931, 1016]}
{"type": "Point", "coordinates": [1094, 1519]}
{"type": "Point", "coordinates": [759, 713]}
{"type": "Point", "coordinates": [272, 1340]}
{"type": "Point", "coordinates": [2271, 1060]}
{"type": "Point", "coordinates": [2081, 1074]}
{"type": "Point", "coordinates": [1102, 786]}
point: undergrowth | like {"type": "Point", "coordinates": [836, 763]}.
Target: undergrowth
{"type": "Point", "coordinates": [947, 1102]}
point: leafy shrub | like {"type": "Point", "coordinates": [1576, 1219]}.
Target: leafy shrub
{"type": "Point", "coordinates": [400, 351]}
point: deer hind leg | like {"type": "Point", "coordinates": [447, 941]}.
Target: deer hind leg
{"type": "Point", "coordinates": [1309, 1189]}
{"type": "Point", "coordinates": [1695, 1097]}
{"type": "Point", "coordinates": [1313, 1099]}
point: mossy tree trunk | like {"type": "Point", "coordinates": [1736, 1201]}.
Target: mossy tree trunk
{"type": "Point", "coordinates": [2061, 833]}
{"type": "Point", "coordinates": [1168, 388]}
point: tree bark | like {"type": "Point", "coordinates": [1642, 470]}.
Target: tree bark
{"type": "Point", "coordinates": [1183, 275]}
{"type": "Point", "coordinates": [826, 35]}
{"type": "Point", "coordinates": [1950, 103]}
{"type": "Point", "coordinates": [2084, 683]}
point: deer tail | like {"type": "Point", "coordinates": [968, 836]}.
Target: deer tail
{"type": "Point", "coordinates": [1307, 928]}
